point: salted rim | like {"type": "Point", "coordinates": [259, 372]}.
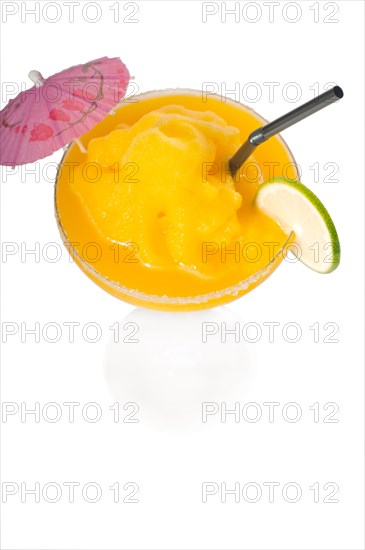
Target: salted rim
{"type": "Point", "coordinates": [170, 300]}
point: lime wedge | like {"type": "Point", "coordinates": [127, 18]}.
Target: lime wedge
{"type": "Point", "coordinates": [295, 208]}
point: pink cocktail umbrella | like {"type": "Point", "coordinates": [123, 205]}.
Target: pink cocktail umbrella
{"type": "Point", "coordinates": [59, 109]}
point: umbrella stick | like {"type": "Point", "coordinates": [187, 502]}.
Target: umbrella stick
{"type": "Point", "coordinates": [81, 147]}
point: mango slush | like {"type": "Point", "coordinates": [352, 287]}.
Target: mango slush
{"type": "Point", "coordinates": [151, 214]}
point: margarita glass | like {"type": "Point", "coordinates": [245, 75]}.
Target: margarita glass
{"type": "Point", "coordinates": [150, 234]}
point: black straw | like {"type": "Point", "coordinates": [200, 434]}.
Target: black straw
{"type": "Point", "coordinates": [265, 132]}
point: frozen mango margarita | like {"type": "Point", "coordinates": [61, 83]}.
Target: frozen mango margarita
{"type": "Point", "coordinates": [151, 212]}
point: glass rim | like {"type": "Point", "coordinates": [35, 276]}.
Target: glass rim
{"type": "Point", "coordinates": [233, 291]}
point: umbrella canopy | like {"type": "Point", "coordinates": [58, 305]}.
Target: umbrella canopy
{"type": "Point", "coordinates": [59, 109]}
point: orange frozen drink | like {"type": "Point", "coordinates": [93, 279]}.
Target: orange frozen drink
{"type": "Point", "coordinates": [151, 212]}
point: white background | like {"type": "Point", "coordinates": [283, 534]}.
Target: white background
{"type": "Point", "coordinates": [170, 452]}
